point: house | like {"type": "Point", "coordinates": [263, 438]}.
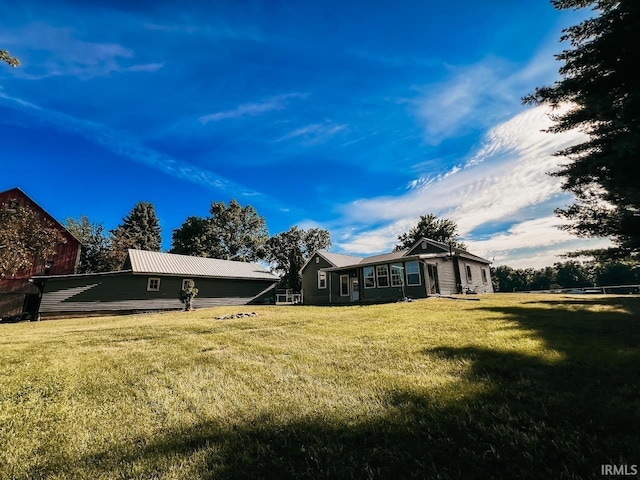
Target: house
{"type": "Point", "coordinates": [153, 281]}
{"type": "Point", "coordinates": [17, 294]}
{"type": "Point", "coordinates": [427, 268]}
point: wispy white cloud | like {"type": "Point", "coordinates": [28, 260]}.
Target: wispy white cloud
{"type": "Point", "coordinates": [314, 133]}
{"type": "Point", "coordinates": [145, 67]}
{"type": "Point", "coordinates": [220, 30]}
{"type": "Point", "coordinates": [532, 243]}
{"type": "Point", "coordinates": [251, 109]}
{"type": "Point", "coordinates": [128, 147]}
{"type": "Point", "coordinates": [506, 176]}
{"type": "Point", "coordinates": [481, 94]}
{"type": "Point", "coordinates": [393, 60]}
{"type": "Point", "coordinates": [48, 51]}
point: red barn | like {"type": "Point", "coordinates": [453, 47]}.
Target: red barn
{"type": "Point", "coordinates": [17, 294]}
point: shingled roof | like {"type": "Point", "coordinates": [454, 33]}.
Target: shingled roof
{"type": "Point", "coordinates": [158, 263]}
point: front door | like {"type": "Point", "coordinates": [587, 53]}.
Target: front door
{"type": "Point", "coordinates": [355, 290]}
{"type": "Point", "coordinates": [432, 272]}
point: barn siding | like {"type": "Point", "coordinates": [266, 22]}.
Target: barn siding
{"type": "Point", "coordinates": [67, 254]}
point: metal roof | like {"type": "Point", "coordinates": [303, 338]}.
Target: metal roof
{"type": "Point", "coordinates": [385, 257]}
{"type": "Point", "coordinates": [339, 259]}
{"type": "Point", "coordinates": [145, 262]}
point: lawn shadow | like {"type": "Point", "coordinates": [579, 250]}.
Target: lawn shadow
{"type": "Point", "coordinates": [536, 418]}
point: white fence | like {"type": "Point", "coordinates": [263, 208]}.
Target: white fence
{"type": "Point", "coordinates": [606, 289]}
{"type": "Point", "coordinates": [288, 297]}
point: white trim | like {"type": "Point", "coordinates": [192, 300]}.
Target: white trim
{"type": "Point", "coordinates": [406, 266]}
{"type": "Point", "coordinates": [397, 267]}
{"type": "Point", "coordinates": [386, 267]}
{"type": "Point", "coordinates": [467, 272]}
{"type": "Point", "coordinates": [365, 277]}
{"type": "Point", "coordinates": [151, 280]}
{"type": "Point", "coordinates": [342, 294]}
{"type": "Point", "coordinates": [324, 274]}
{"type": "Point", "coordinates": [184, 280]}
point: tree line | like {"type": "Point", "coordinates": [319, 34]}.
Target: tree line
{"type": "Point", "coordinates": [230, 232]}
{"type": "Point", "coordinates": [568, 274]}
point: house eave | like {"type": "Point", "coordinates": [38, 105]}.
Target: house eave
{"type": "Point", "coordinates": [218, 277]}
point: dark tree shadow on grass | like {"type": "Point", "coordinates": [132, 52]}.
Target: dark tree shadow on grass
{"type": "Point", "coordinates": [536, 418]}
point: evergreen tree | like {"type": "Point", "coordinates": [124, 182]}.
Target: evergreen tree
{"type": "Point", "coordinates": [434, 228]}
{"type": "Point", "coordinates": [140, 230]}
{"type": "Point", "coordinates": [601, 86]}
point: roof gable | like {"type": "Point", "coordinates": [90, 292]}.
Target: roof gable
{"type": "Point", "coordinates": [335, 259]}
{"type": "Point", "coordinates": [424, 248]}
{"type": "Point", "coordinates": [425, 245]}
{"type": "Point", "coordinates": [146, 262]}
{"type": "Point", "coordinates": [23, 199]}
{"type": "Point", "coordinates": [433, 246]}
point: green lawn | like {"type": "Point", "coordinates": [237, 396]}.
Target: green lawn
{"type": "Point", "coordinates": [508, 387]}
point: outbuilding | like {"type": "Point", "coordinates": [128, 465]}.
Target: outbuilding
{"type": "Point", "coordinates": [152, 281]}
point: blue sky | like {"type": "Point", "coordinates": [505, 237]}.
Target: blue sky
{"type": "Point", "coordinates": [357, 117]}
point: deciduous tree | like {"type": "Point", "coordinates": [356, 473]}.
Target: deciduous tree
{"type": "Point", "coordinates": [289, 250]}
{"type": "Point", "coordinates": [26, 237]}
{"type": "Point", "coordinates": [194, 237]}
{"type": "Point", "coordinates": [96, 253]}
{"type": "Point", "coordinates": [232, 232]}
{"type": "Point", "coordinates": [601, 85]}
{"type": "Point", "coordinates": [241, 232]}
{"type": "Point", "coordinates": [6, 57]}
{"type": "Point", "coordinates": [434, 228]}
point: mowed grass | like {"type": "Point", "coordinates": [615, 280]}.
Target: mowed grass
{"type": "Point", "coordinates": [510, 386]}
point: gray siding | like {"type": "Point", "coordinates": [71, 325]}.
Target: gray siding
{"type": "Point", "coordinates": [446, 275]}
{"type": "Point", "coordinates": [128, 292]}
{"type": "Point", "coordinates": [311, 294]}
{"type": "Point", "coordinates": [476, 284]}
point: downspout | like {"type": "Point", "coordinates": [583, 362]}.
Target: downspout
{"type": "Point", "coordinates": [329, 280]}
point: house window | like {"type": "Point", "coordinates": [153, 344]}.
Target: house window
{"type": "Point", "coordinates": [413, 273]}
{"type": "Point", "coordinates": [484, 275]}
{"type": "Point", "coordinates": [396, 274]}
{"type": "Point", "coordinates": [185, 283]}
{"type": "Point", "coordinates": [344, 285]}
{"type": "Point", "coordinates": [322, 279]}
{"type": "Point", "coordinates": [382, 274]}
{"type": "Point", "coordinates": [469, 276]}
{"type": "Point", "coordinates": [369, 277]}
{"type": "Point", "coordinates": [153, 285]}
